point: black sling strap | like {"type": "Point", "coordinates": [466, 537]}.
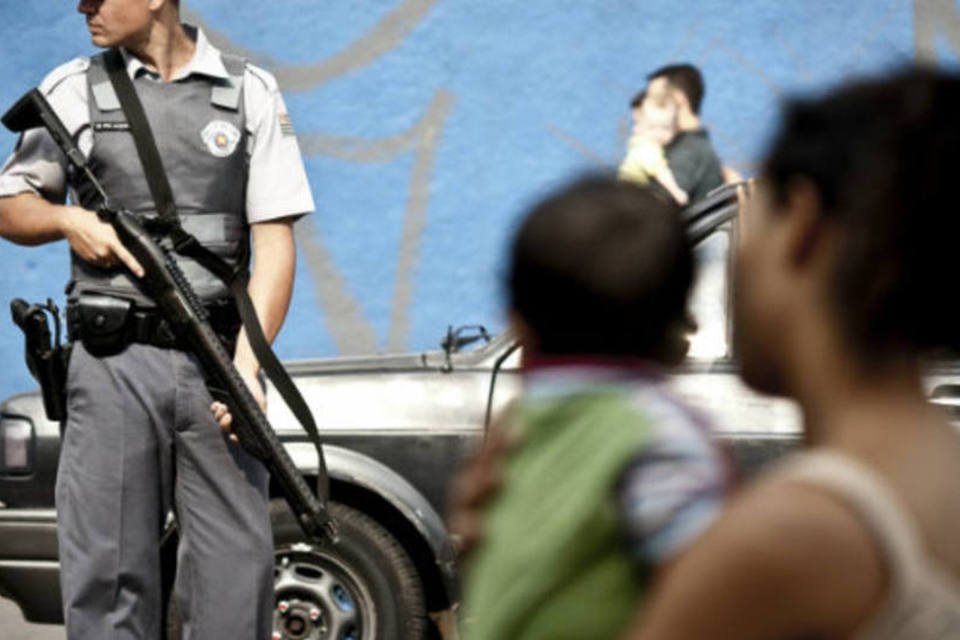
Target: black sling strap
{"type": "Point", "coordinates": [235, 277]}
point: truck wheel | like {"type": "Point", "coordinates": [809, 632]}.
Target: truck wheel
{"type": "Point", "coordinates": [364, 587]}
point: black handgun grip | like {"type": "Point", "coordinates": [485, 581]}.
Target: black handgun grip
{"type": "Point", "coordinates": [32, 320]}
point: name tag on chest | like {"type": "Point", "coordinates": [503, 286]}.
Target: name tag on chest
{"type": "Point", "coordinates": [111, 126]}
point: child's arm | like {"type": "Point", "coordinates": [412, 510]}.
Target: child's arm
{"type": "Point", "coordinates": [674, 489]}
{"type": "Point", "coordinates": [665, 177]}
{"type": "Point", "coordinates": [634, 165]}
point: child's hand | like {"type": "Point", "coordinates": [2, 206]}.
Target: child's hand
{"type": "Point", "coordinates": [478, 481]}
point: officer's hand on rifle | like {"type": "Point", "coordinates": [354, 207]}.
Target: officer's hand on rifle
{"type": "Point", "coordinates": [221, 413]}
{"type": "Point", "coordinates": [95, 241]}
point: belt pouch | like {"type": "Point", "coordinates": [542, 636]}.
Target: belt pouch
{"type": "Point", "coordinates": [104, 322]}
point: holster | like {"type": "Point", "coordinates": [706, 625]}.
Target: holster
{"type": "Point", "coordinates": [46, 359]}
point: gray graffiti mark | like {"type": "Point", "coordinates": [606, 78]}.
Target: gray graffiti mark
{"type": "Point", "coordinates": [799, 64]}
{"type": "Point", "coordinates": [344, 319]}
{"type": "Point", "coordinates": [391, 30]}
{"type": "Point", "coordinates": [689, 37]}
{"type": "Point", "coordinates": [872, 32]}
{"type": "Point", "coordinates": [577, 145]}
{"type": "Point", "coordinates": [721, 45]}
{"type": "Point", "coordinates": [415, 221]}
{"type": "Point", "coordinates": [934, 19]}
{"type": "Point", "coordinates": [351, 331]}
{"type": "Point", "coordinates": [372, 151]}
{"type": "Point", "coordinates": [422, 138]}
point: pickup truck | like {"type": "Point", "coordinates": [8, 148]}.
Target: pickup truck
{"type": "Point", "coordinates": [395, 428]}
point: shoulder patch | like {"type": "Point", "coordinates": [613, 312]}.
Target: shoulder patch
{"type": "Point", "coordinates": [75, 67]}
{"type": "Point", "coordinates": [286, 125]}
{"type": "Point", "coordinates": [265, 77]}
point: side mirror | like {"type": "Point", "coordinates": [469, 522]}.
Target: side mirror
{"type": "Point", "coordinates": [457, 339]}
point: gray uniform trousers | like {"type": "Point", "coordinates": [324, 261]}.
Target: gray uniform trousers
{"type": "Point", "coordinates": [139, 439]}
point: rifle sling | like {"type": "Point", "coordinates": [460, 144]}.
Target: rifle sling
{"type": "Point", "coordinates": [235, 277]}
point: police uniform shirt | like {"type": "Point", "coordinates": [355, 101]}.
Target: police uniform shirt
{"type": "Point", "coordinates": [277, 185]}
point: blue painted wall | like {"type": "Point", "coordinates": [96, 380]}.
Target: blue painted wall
{"type": "Point", "coordinates": [428, 126]}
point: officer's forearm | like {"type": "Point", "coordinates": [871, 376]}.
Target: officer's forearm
{"type": "Point", "coordinates": [28, 219]}
{"type": "Point", "coordinates": [271, 283]}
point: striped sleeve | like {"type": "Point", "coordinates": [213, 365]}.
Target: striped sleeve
{"type": "Point", "coordinates": [671, 492]}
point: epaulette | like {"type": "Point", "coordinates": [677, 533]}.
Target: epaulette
{"type": "Point", "coordinates": [226, 93]}
{"type": "Point", "coordinates": [263, 76]}
{"type": "Point", "coordinates": [54, 78]}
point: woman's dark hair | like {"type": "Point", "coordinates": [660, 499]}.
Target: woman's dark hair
{"type": "Point", "coordinates": [602, 267]}
{"type": "Point", "coordinates": [882, 155]}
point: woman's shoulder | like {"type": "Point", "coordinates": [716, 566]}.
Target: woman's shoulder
{"type": "Point", "coordinates": [804, 521]}
{"type": "Point", "coordinates": [800, 549]}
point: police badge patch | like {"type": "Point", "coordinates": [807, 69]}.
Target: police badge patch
{"type": "Point", "coordinates": [221, 138]}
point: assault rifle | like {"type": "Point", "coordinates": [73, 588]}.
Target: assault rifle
{"type": "Point", "coordinates": [176, 300]}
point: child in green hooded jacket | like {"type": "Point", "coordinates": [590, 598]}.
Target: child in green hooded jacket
{"type": "Point", "coordinates": [611, 476]}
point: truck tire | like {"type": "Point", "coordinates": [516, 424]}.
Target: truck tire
{"type": "Point", "coordinates": [364, 587]}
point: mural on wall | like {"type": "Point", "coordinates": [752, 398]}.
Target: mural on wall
{"type": "Point", "coordinates": [428, 125]}
{"type": "Point", "coordinates": [937, 30]}
{"type": "Point", "coordinates": [349, 328]}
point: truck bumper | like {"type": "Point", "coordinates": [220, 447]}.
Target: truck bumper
{"type": "Point", "coordinates": [29, 570]}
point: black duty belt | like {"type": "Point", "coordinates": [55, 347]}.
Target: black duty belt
{"type": "Point", "coordinates": [110, 330]}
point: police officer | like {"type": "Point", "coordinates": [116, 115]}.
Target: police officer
{"type": "Point", "coordinates": [142, 432]}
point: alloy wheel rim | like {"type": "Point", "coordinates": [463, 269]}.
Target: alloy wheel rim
{"type": "Point", "coordinates": [318, 597]}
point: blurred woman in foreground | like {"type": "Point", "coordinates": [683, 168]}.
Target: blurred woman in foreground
{"type": "Point", "coordinates": [845, 289]}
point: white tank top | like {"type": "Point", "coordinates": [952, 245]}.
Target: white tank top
{"type": "Point", "coordinates": [923, 601]}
